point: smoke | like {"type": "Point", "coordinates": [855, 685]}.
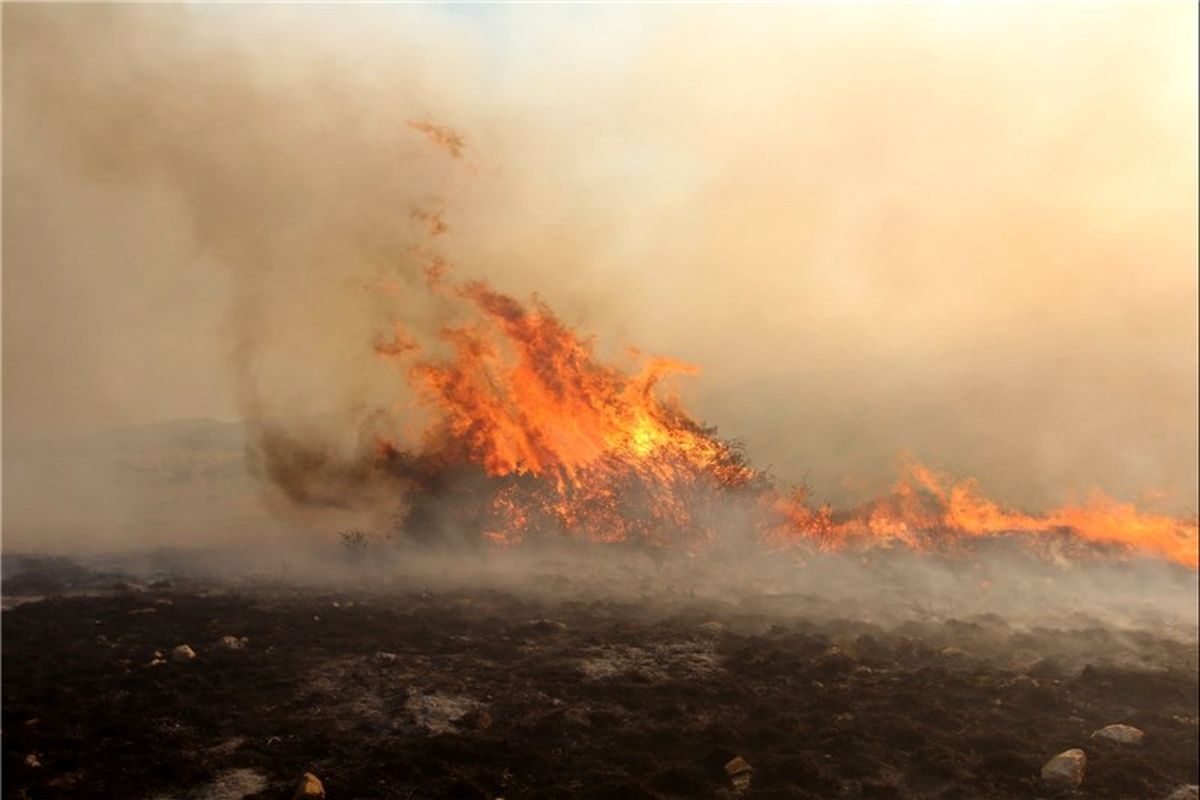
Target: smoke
{"type": "Point", "coordinates": [965, 233]}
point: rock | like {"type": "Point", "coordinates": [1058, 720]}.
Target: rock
{"type": "Point", "coordinates": [736, 766]}
{"type": "Point", "coordinates": [183, 653]}
{"type": "Point", "coordinates": [1184, 793]}
{"type": "Point", "coordinates": [739, 772]}
{"type": "Point", "coordinates": [310, 786]}
{"type": "Point", "coordinates": [233, 642]}
{"type": "Point", "coordinates": [1121, 734]}
{"type": "Point", "coordinates": [1065, 770]}
{"type": "Point", "coordinates": [32, 761]}
{"type": "Point", "coordinates": [382, 657]}
{"type": "Point", "coordinates": [711, 628]}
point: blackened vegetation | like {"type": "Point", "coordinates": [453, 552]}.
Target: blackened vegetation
{"type": "Point", "coordinates": [448, 500]}
{"type": "Point", "coordinates": [483, 694]}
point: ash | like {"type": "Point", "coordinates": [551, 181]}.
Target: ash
{"type": "Point", "coordinates": [431, 675]}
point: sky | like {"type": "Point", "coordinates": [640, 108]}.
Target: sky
{"type": "Point", "coordinates": [967, 233]}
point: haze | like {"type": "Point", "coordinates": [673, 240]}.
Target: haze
{"type": "Point", "coordinates": [964, 232]}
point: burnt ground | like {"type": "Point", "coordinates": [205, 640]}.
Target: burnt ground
{"type": "Point", "coordinates": [483, 693]}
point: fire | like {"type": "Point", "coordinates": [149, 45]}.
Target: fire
{"type": "Point", "coordinates": [928, 511]}
{"type": "Point", "coordinates": [532, 436]}
{"type": "Point", "coordinates": [569, 443]}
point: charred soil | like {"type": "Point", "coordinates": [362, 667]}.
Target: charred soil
{"type": "Point", "coordinates": [487, 693]}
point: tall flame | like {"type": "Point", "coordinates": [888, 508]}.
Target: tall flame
{"type": "Point", "coordinates": [589, 448]}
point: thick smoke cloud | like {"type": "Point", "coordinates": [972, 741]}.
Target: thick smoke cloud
{"type": "Point", "coordinates": [968, 234]}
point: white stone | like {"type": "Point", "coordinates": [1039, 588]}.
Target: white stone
{"type": "Point", "coordinates": [1065, 769]}
{"type": "Point", "coordinates": [739, 772]}
{"type": "Point", "coordinates": [1121, 734]}
{"type": "Point", "coordinates": [310, 786]}
{"type": "Point", "coordinates": [183, 653]}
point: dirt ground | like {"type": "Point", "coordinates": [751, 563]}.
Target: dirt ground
{"type": "Point", "coordinates": [487, 693]}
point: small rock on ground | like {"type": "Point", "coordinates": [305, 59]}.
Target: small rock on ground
{"type": "Point", "coordinates": [183, 653]}
{"type": "Point", "coordinates": [1065, 769]}
{"type": "Point", "coordinates": [739, 772]}
{"type": "Point", "coordinates": [310, 787]}
{"type": "Point", "coordinates": [1121, 734]}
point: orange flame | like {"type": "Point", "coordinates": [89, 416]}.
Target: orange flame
{"type": "Point", "coordinates": [532, 435]}
{"type": "Point", "coordinates": [572, 445]}
{"type": "Point", "coordinates": [601, 452]}
{"type": "Point", "coordinates": [925, 510]}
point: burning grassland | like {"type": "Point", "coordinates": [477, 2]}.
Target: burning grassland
{"type": "Point", "coordinates": [517, 432]}
{"type": "Point", "coordinates": [530, 436]}
{"type": "Point", "coordinates": [554, 577]}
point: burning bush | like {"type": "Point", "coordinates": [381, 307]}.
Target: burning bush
{"type": "Point", "coordinates": [533, 437]}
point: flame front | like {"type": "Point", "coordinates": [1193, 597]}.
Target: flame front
{"type": "Point", "coordinates": [572, 444]}
{"type": "Point", "coordinates": [533, 436]}
{"type": "Point", "coordinates": [927, 511]}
